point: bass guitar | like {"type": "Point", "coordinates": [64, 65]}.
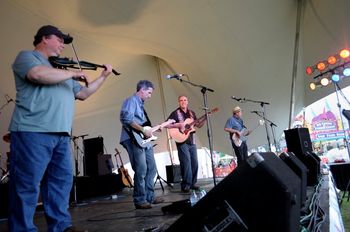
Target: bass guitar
{"type": "Point", "coordinates": [123, 172]}
{"type": "Point", "coordinates": [181, 136]}
{"type": "Point", "coordinates": [237, 140]}
{"type": "Point", "coordinates": [144, 142]}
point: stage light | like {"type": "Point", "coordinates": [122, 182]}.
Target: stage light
{"type": "Point", "coordinates": [313, 86]}
{"type": "Point", "coordinates": [309, 70]}
{"type": "Point", "coordinates": [346, 72]}
{"type": "Point", "coordinates": [324, 81]}
{"type": "Point", "coordinates": [332, 60]}
{"type": "Point", "coordinates": [321, 66]}
{"type": "Point", "coordinates": [344, 53]}
{"type": "Point", "coordinates": [335, 77]}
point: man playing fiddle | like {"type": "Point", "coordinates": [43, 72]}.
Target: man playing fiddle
{"type": "Point", "coordinates": [40, 132]}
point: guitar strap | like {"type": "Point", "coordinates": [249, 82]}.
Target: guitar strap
{"type": "Point", "coordinates": [191, 139]}
{"type": "Point", "coordinates": [180, 115]}
{"type": "Point", "coordinates": [148, 122]}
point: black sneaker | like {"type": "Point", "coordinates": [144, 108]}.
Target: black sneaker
{"type": "Point", "coordinates": [143, 206]}
{"type": "Point", "coordinates": [185, 189]}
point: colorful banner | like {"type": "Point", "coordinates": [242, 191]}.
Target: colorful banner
{"type": "Point", "coordinates": [323, 119]}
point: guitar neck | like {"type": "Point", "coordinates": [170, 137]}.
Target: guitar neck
{"type": "Point", "coordinates": [155, 128]}
{"type": "Point", "coordinates": [121, 161]}
{"type": "Point", "coordinates": [164, 124]}
{"type": "Point", "coordinates": [120, 158]}
{"type": "Point", "coordinates": [259, 124]}
{"type": "Point", "coordinates": [203, 117]}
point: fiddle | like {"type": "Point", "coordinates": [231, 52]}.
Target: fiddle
{"type": "Point", "coordinates": [65, 63]}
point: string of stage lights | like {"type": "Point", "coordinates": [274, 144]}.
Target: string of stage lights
{"type": "Point", "coordinates": [334, 69]}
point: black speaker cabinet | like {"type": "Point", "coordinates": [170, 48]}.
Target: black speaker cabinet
{"type": "Point", "coordinates": [105, 164]}
{"type": "Point", "coordinates": [87, 187]}
{"type": "Point", "coordinates": [312, 164]}
{"type": "Point", "coordinates": [300, 169]}
{"type": "Point", "coordinates": [92, 149]}
{"type": "Point", "coordinates": [173, 173]}
{"type": "Point", "coordinates": [263, 194]}
{"type": "Point", "coordinates": [298, 140]}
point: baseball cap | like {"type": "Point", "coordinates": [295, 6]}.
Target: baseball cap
{"type": "Point", "coordinates": [51, 30]}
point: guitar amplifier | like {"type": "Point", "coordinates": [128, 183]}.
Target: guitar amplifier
{"type": "Point", "coordinates": [173, 173]}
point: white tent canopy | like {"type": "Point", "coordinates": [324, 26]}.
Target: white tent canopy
{"type": "Point", "coordinates": [237, 48]}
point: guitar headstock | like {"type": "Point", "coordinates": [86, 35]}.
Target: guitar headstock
{"type": "Point", "coordinates": [117, 151]}
{"type": "Point", "coordinates": [216, 109]}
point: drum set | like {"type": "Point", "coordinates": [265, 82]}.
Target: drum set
{"type": "Point", "coordinates": [5, 177]}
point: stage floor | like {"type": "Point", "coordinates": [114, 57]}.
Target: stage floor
{"type": "Point", "coordinates": [107, 214]}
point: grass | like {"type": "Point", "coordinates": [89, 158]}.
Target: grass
{"type": "Point", "coordinates": [345, 212]}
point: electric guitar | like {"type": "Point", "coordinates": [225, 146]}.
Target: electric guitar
{"type": "Point", "coordinates": [123, 172]}
{"type": "Point", "coordinates": [181, 136]}
{"type": "Point", "coordinates": [140, 138]}
{"type": "Point", "coordinates": [237, 140]}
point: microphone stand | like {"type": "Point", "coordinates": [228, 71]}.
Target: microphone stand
{"type": "Point", "coordinates": [272, 129]}
{"type": "Point", "coordinates": [262, 104]}
{"type": "Point", "coordinates": [209, 129]}
{"type": "Point", "coordinates": [77, 172]}
{"type": "Point", "coordinates": [337, 88]}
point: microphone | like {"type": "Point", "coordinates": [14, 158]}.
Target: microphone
{"type": "Point", "coordinates": [237, 99]}
{"type": "Point", "coordinates": [174, 76]}
{"type": "Point", "coordinates": [254, 112]}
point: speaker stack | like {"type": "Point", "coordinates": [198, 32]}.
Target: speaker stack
{"type": "Point", "coordinates": [93, 148]}
{"type": "Point", "coordinates": [260, 195]}
{"type": "Point", "coordinates": [299, 142]}
{"type": "Point", "coordinates": [98, 179]}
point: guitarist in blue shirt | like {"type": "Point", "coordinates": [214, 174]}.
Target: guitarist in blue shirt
{"type": "Point", "coordinates": [235, 126]}
{"type": "Point", "coordinates": [134, 118]}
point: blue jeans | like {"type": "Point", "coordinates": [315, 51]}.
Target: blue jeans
{"type": "Point", "coordinates": [241, 153]}
{"type": "Point", "coordinates": [39, 161]}
{"type": "Point", "coordinates": [188, 164]}
{"type": "Point", "coordinates": [144, 165]}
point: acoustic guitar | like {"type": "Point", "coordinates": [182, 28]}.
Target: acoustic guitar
{"type": "Point", "coordinates": [123, 172]}
{"type": "Point", "coordinates": [244, 134]}
{"type": "Point", "coordinates": [142, 141]}
{"type": "Point", "coordinates": [181, 136]}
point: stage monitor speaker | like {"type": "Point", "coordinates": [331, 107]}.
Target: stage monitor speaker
{"type": "Point", "coordinates": [173, 173]}
{"type": "Point", "coordinates": [88, 187]}
{"type": "Point", "coordinates": [317, 161]}
{"type": "Point", "coordinates": [300, 169]}
{"type": "Point", "coordinates": [298, 140]}
{"type": "Point", "coordinates": [105, 164]}
{"type": "Point", "coordinates": [312, 165]}
{"type": "Point", "coordinates": [263, 194]}
{"type": "Point", "coordinates": [92, 149]}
